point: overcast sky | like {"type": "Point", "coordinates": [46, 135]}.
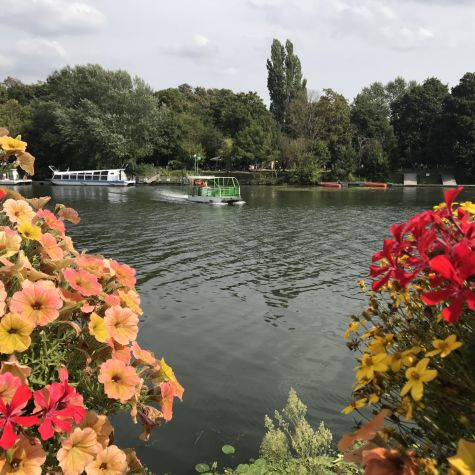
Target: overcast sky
{"type": "Point", "coordinates": [342, 44]}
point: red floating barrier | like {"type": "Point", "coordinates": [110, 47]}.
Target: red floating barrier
{"type": "Point", "coordinates": [375, 184]}
{"type": "Point", "coordinates": [330, 184]}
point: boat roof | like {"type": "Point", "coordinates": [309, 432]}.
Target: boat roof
{"type": "Point", "coordinates": [55, 170]}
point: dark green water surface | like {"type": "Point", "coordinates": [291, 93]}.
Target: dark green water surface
{"type": "Point", "coordinates": [243, 302]}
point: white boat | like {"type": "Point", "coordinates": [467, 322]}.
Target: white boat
{"type": "Point", "coordinates": [112, 177]}
{"type": "Point", "coordinates": [12, 177]}
{"type": "Point", "coordinates": [214, 190]}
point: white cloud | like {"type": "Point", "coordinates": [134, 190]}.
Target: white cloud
{"type": "Point", "coordinates": [198, 48]}
{"type": "Point", "coordinates": [200, 40]}
{"type": "Point", "coordinates": [51, 17]}
{"type": "Point", "coordinates": [40, 48]}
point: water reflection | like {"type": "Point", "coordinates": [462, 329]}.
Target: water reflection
{"type": "Point", "coordinates": [243, 301]}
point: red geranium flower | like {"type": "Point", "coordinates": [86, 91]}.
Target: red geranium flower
{"type": "Point", "coordinates": [452, 271]}
{"type": "Point", "coordinates": [11, 416]}
{"type": "Point", "coordinates": [59, 404]}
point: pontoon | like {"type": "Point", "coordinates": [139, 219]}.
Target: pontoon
{"type": "Point", "coordinates": [12, 177]}
{"type": "Point", "coordinates": [214, 190]}
{"type": "Point", "coordinates": [113, 177]}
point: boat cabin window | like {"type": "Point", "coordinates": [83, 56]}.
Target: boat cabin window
{"type": "Point", "coordinates": [80, 176]}
{"type": "Point", "coordinates": [104, 175]}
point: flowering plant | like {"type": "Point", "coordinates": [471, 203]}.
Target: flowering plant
{"type": "Point", "coordinates": [416, 343]}
{"type": "Point", "coordinates": [68, 351]}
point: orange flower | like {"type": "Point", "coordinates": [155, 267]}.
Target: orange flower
{"type": "Point", "coordinates": [68, 214]}
{"type": "Point", "coordinates": [367, 432]}
{"type": "Point", "coordinates": [124, 273]}
{"type": "Point", "coordinates": [10, 242]}
{"type": "Point", "coordinates": [122, 324]}
{"type": "Point", "coordinates": [91, 264]}
{"type": "Point", "coordinates": [100, 425]}
{"type": "Point", "coordinates": [50, 246]}
{"type": "Point", "coordinates": [12, 145]}
{"type": "Point", "coordinates": [120, 380]}
{"type": "Point", "coordinates": [120, 352]}
{"type": "Point", "coordinates": [381, 461]}
{"type": "Point", "coordinates": [3, 297]}
{"type": "Point", "coordinates": [78, 450]}
{"type": "Point", "coordinates": [16, 369]}
{"type": "Point", "coordinates": [84, 282]}
{"type": "Point", "coordinates": [26, 457]}
{"type": "Point", "coordinates": [144, 356]}
{"type": "Point", "coordinates": [8, 386]}
{"type": "Point", "coordinates": [38, 301]}
{"type": "Point", "coordinates": [51, 220]}
{"type": "Point", "coordinates": [18, 211]}
{"type": "Point", "coordinates": [111, 461]}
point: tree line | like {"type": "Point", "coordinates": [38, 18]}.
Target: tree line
{"type": "Point", "coordinates": [86, 117]}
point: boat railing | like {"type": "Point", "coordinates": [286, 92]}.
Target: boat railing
{"type": "Point", "coordinates": [220, 191]}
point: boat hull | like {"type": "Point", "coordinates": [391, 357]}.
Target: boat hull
{"type": "Point", "coordinates": [92, 183]}
{"type": "Point", "coordinates": [215, 199]}
{"type": "Point", "coordinates": [15, 182]}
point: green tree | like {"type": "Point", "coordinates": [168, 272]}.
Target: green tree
{"type": "Point", "coordinates": [414, 115]}
{"type": "Point", "coordinates": [284, 79]}
{"type": "Point", "coordinates": [14, 116]}
{"type": "Point", "coordinates": [91, 118]}
{"type": "Point", "coordinates": [455, 133]}
{"type": "Point", "coordinates": [374, 138]}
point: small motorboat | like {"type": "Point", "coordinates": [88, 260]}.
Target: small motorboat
{"type": "Point", "coordinates": [214, 190]}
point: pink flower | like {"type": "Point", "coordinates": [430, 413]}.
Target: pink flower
{"type": "Point", "coordinates": [51, 220]}
{"type": "Point", "coordinates": [38, 301]}
{"type": "Point", "coordinates": [124, 273]}
{"type": "Point", "coordinates": [84, 282]}
{"type": "Point", "coordinates": [50, 246]}
{"type": "Point", "coordinates": [92, 264]}
{"type": "Point", "coordinates": [8, 386]}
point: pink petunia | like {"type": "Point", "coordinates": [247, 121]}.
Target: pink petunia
{"type": "Point", "coordinates": [51, 220]}
{"type": "Point", "coordinates": [50, 246]}
{"type": "Point", "coordinates": [84, 282]}
{"type": "Point", "coordinates": [124, 273]}
{"type": "Point", "coordinates": [122, 324]}
{"type": "Point", "coordinates": [38, 302]}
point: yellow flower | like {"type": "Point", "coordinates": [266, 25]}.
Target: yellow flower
{"type": "Point", "coordinates": [352, 328]}
{"type": "Point", "coordinates": [417, 376]}
{"type": "Point", "coordinates": [97, 328]}
{"type": "Point", "coordinates": [403, 358]}
{"type": "Point", "coordinates": [373, 398]}
{"type": "Point", "coordinates": [406, 408]}
{"type": "Point", "coordinates": [371, 364]}
{"type": "Point", "coordinates": [15, 333]}
{"type": "Point", "coordinates": [444, 347]}
{"type": "Point", "coordinates": [381, 343]}
{"type": "Point", "coordinates": [468, 206]}
{"type": "Point", "coordinates": [9, 144]}
{"type": "Point", "coordinates": [464, 460]}
{"type": "Point", "coordinates": [30, 231]}
{"type": "Point", "coordinates": [354, 405]}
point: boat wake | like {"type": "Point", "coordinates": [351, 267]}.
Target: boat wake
{"type": "Point", "coordinates": [172, 196]}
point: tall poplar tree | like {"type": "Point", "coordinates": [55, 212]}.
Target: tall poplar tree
{"type": "Point", "coordinates": [284, 79]}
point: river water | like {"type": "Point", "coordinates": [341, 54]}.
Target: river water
{"type": "Point", "coordinates": [244, 302]}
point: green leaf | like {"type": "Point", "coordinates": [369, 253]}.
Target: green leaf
{"type": "Point", "coordinates": [202, 467]}
{"type": "Point", "coordinates": [228, 449]}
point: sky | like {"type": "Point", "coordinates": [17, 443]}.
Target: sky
{"type": "Point", "coordinates": [342, 44]}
